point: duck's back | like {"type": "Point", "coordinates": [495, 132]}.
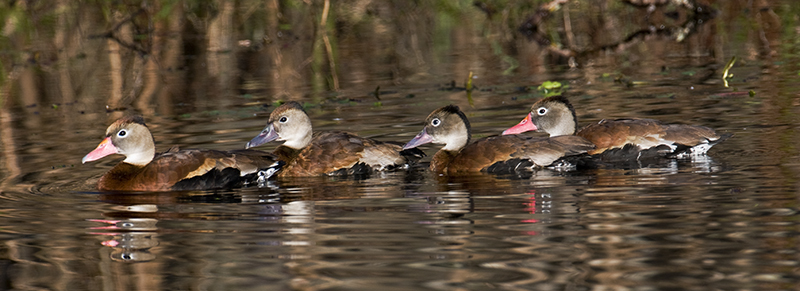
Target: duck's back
{"type": "Point", "coordinates": [337, 152]}
{"type": "Point", "coordinates": [645, 134]}
{"type": "Point", "coordinates": [509, 153]}
{"type": "Point", "coordinates": [187, 170]}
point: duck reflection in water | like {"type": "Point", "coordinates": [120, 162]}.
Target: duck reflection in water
{"type": "Point", "coordinates": [132, 223]}
{"type": "Point", "coordinates": [131, 240]}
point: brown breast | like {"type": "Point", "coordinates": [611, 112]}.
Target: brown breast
{"type": "Point", "coordinates": [333, 151]}
{"type": "Point", "coordinates": [186, 170]}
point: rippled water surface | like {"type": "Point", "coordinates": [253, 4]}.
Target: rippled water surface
{"type": "Point", "coordinates": [728, 221]}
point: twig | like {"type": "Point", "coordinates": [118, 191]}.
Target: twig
{"type": "Point", "coordinates": [110, 34]}
{"type": "Point", "coordinates": [328, 48]}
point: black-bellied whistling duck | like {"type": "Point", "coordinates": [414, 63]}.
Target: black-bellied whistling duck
{"type": "Point", "coordinates": [621, 139]}
{"type": "Point", "coordinates": [495, 154]}
{"type": "Point", "coordinates": [309, 153]}
{"type": "Point", "coordinates": [193, 169]}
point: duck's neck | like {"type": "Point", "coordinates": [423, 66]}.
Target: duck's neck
{"type": "Point", "coordinates": [568, 127]}
{"type": "Point", "coordinates": [457, 139]}
{"type": "Point", "coordinates": [143, 154]}
{"type": "Point", "coordinates": [566, 124]}
{"type": "Point", "coordinates": [299, 143]}
{"type": "Point", "coordinates": [300, 137]}
{"type": "Point", "coordinates": [142, 158]}
{"type": "Point", "coordinates": [456, 144]}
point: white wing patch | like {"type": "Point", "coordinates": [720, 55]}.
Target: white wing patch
{"type": "Point", "coordinates": [696, 151]}
{"type": "Point", "coordinates": [563, 166]}
{"type": "Point", "coordinates": [653, 140]}
{"type": "Point", "coordinates": [650, 141]}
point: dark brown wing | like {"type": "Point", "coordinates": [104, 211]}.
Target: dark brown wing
{"type": "Point", "coordinates": [332, 151]}
{"type": "Point", "coordinates": [328, 152]}
{"type": "Point", "coordinates": [644, 133]}
{"type": "Point", "coordinates": [249, 161]}
{"type": "Point", "coordinates": [690, 135]}
{"type": "Point", "coordinates": [540, 152]}
{"type": "Point", "coordinates": [544, 151]}
{"type": "Point", "coordinates": [382, 155]}
{"type": "Point", "coordinates": [482, 153]}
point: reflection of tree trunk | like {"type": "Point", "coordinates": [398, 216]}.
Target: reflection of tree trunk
{"type": "Point", "coordinates": [317, 80]}
{"type": "Point", "coordinates": [173, 81]}
{"type": "Point", "coordinates": [411, 42]}
{"type": "Point", "coordinates": [115, 70]}
{"type": "Point", "coordinates": [322, 41]}
{"type": "Point", "coordinates": [10, 158]}
{"type": "Point", "coordinates": [769, 28]}
{"type": "Point", "coordinates": [148, 275]}
{"type": "Point", "coordinates": [282, 75]}
{"type": "Point", "coordinates": [461, 66]}
{"type": "Point", "coordinates": [273, 51]}
{"type": "Point", "coordinates": [151, 81]}
{"type": "Point", "coordinates": [129, 276]}
{"type": "Point", "coordinates": [60, 42]}
{"type": "Point", "coordinates": [151, 69]}
{"type": "Point", "coordinates": [29, 94]}
{"type": "Point", "coordinates": [221, 60]}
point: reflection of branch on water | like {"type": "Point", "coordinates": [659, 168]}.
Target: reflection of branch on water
{"type": "Point", "coordinates": [698, 15]}
{"type": "Point", "coordinates": [328, 48]}
{"type": "Point", "coordinates": [112, 34]}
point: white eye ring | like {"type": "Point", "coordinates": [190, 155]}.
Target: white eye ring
{"type": "Point", "coordinates": [283, 119]}
{"type": "Point", "coordinates": [541, 111]}
{"type": "Point", "coordinates": [436, 122]}
{"type": "Point", "coordinates": [122, 133]}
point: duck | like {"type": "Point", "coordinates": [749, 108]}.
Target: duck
{"type": "Point", "coordinates": [494, 154]}
{"type": "Point", "coordinates": [332, 153]}
{"type": "Point", "coordinates": [191, 169]}
{"type": "Point", "coordinates": [619, 140]}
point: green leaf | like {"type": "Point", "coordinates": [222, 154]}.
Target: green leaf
{"type": "Point", "coordinates": [550, 85]}
{"type": "Point", "coordinates": [551, 88]}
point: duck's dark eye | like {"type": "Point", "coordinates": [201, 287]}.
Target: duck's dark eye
{"type": "Point", "coordinates": [541, 111]}
{"type": "Point", "coordinates": [436, 122]}
{"type": "Point", "coordinates": [283, 119]}
{"type": "Point", "coordinates": [122, 133]}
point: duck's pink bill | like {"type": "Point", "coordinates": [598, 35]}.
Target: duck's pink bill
{"type": "Point", "coordinates": [103, 149]}
{"type": "Point", "coordinates": [422, 138]}
{"type": "Point", "coordinates": [523, 126]}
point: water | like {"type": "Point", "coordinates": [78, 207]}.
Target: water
{"type": "Point", "coordinates": [724, 222]}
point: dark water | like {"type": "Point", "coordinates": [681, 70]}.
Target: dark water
{"type": "Point", "coordinates": [728, 221]}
